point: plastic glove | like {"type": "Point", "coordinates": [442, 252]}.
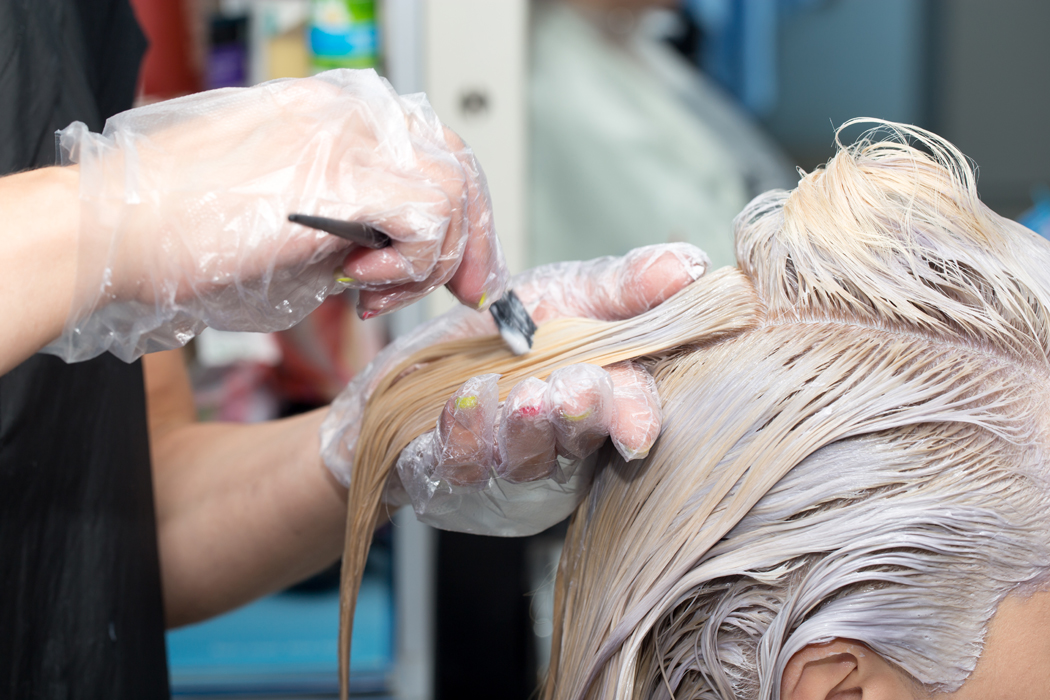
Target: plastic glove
{"type": "Point", "coordinates": [521, 466]}
{"type": "Point", "coordinates": [184, 208]}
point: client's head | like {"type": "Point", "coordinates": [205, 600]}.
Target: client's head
{"type": "Point", "coordinates": [845, 491]}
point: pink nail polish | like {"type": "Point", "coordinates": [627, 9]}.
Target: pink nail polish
{"type": "Point", "coordinates": [369, 314]}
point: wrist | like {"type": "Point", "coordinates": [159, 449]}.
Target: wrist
{"type": "Point", "coordinates": [41, 214]}
{"type": "Point", "coordinates": [60, 198]}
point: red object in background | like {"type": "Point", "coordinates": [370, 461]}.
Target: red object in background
{"type": "Point", "coordinates": [313, 368]}
{"type": "Point", "coordinates": [169, 68]}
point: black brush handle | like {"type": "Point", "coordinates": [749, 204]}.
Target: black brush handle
{"type": "Point", "coordinates": [353, 231]}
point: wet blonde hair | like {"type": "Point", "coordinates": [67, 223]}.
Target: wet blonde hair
{"type": "Point", "coordinates": [854, 442]}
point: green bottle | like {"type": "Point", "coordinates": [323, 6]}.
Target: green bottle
{"type": "Point", "coordinates": [342, 34]}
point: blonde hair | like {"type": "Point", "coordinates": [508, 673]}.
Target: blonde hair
{"type": "Point", "coordinates": [854, 443]}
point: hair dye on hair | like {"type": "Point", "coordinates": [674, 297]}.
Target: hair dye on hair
{"type": "Point", "coordinates": [854, 443]}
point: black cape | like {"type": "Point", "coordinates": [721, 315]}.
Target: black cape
{"type": "Point", "coordinates": [81, 612]}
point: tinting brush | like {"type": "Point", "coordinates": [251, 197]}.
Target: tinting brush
{"type": "Point", "coordinates": [515, 325]}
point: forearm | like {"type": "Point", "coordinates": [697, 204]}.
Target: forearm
{"type": "Point", "coordinates": [39, 214]}
{"type": "Point", "coordinates": [242, 511]}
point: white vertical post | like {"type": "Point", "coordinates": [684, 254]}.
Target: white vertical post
{"type": "Point", "coordinates": [475, 77]}
{"type": "Point", "coordinates": [414, 549]}
{"type": "Point", "coordinates": [401, 23]}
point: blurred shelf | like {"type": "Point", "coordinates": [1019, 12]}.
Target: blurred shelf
{"type": "Point", "coordinates": [285, 646]}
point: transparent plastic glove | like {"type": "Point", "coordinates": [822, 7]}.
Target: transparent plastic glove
{"type": "Point", "coordinates": [518, 467]}
{"type": "Point", "coordinates": [184, 208]}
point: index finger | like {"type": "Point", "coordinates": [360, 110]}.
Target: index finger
{"type": "Point", "coordinates": [612, 289]}
{"type": "Point", "coordinates": [482, 275]}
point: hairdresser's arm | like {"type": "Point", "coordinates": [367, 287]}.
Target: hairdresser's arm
{"type": "Point", "coordinates": [38, 248]}
{"type": "Point", "coordinates": [181, 216]}
{"type": "Point", "coordinates": [242, 510]}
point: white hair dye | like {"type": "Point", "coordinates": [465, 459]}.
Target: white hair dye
{"type": "Point", "coordinates": [867, 462]}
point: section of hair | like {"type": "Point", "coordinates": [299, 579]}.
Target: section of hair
{"type": "Point", "coordinates": [811, 482]}
{"type": "Point", "coordinates": [892, 233]}
{"type": "Point", "coordinates": [868, 464]}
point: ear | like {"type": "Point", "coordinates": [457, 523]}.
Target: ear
{"type": "Point", "coordinates": [842, 669]}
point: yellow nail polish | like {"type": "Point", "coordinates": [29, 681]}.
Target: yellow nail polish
{"type": "Point", "coordinates": [467, 402]}
{"type": "Point", "coordinates": [484, 296]}
{"type": "Point", "coordinates": [340, 276]}
{"type": "Point", "coordinates": [578, 417]}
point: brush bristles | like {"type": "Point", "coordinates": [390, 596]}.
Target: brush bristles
{"type": "Point", "coordinates": [516, 340]}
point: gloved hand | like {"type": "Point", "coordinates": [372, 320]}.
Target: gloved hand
{"type": "Point", "coordinates": [521, 466]}
{"type": "Point", "coordinates": [184, 208]}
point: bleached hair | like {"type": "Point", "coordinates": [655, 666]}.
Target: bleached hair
{"type": "Point", "coordinates": [868, 462]}
{"type": "Point", "coordinates": [855, 441]}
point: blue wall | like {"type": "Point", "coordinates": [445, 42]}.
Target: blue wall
{"type": "Point", "coordinates": [845, 59]}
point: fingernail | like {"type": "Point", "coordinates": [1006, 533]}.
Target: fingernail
{"type": "Point", "coordinates": [529, 411]}
{"type": "Point", "coordinates": [467, 402]}
{"type": "Point", "coordinates": [341, 276]}
{"type": "Point", "coordinates": [578, 417]}
{"type": "Point", "coordinates": [369, 314]}
{"type": "Point", "coordinates": [628, 454]}
{"type": "Point", "coordinates": [481, 302]}
{"type": "Point", "coordinates": [696, 267]}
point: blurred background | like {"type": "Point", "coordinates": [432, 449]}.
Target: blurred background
{"type": "Point", "coordinates": [602, 125]}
